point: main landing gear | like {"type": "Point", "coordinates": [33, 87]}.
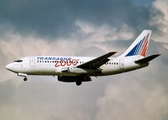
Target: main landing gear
{"type": "Point", "coordinates": [81, 79]}
{"type": "Point", "coordinates": [78, 82]}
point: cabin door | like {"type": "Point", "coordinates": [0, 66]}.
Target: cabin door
{"type": "Point", "coordinates": [32, 61]}
{"type": "Point", "coordinates": [121, 64]}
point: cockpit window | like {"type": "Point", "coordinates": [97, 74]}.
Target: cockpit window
{"type": "Point", "coordinates": [18, 61]}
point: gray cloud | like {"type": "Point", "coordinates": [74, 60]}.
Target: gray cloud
{"type": "Point", "coordinates": [56, 18]}
{"type": "Point", "coordinates": [141, 94]}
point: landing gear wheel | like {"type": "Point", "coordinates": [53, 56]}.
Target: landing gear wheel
{"type": "Point", "coordinates": [78, 82]}
{"type": "Point", "coordinates": [25, 79]}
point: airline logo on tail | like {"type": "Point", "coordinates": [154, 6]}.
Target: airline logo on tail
{"type": "Point", "coordinates": [140, 48]}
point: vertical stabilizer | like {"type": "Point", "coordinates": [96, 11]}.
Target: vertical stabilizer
{"type": "Point", "coordinates": [139, 46]}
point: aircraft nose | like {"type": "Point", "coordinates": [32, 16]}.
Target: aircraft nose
{"type": "Point", "coordinates": [9, 67]}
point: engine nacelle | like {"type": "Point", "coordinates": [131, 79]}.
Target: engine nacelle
{"type": "Point", "coordinates": [74, 78]}
{"type": "Point", "coordinates": [78, 70]}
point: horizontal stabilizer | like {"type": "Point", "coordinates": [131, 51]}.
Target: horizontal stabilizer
{"type": "Point", "coordinates": [147, 59]}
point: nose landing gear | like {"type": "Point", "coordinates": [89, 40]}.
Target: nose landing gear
{"type": "Point", "coordinates": [23, 75]}
{"type": "Point", "coordinates": [25, 79]}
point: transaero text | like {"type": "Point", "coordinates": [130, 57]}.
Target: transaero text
{"type": "Point", "coordinates": [54, 58]}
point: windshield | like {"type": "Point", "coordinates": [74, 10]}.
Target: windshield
{"type": "Point", "coordinates": [18, 60]}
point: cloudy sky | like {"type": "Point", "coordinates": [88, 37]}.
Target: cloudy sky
{"type": "Point", "coordinates": [84, 28]}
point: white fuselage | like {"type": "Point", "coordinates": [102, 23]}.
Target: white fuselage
{"type": "Point", "coordinates": [56, 65]}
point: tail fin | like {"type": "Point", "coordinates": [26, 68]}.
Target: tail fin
{"type": "Point", "coordinates": [139, 46]}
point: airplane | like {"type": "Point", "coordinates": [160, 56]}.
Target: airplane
{"type": "Point", "coordinates": [81, 69]}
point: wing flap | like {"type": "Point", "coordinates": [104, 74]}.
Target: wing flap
{"type": "Point", "coordinates": [147, 59]}
{"type": "Point", "coordinates": [97, 62]}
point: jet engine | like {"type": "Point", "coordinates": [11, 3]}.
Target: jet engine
{"type": "Point", "coordinates": [77, 79]}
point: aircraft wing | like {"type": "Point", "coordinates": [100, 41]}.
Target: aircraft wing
{"type": "Point", "coordinates": [97, 62]}
{"type": "Point", "coordinates": [147, 59]}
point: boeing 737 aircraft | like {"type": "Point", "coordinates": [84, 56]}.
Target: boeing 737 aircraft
{"type": "Point", "coordinates": [79, 69]}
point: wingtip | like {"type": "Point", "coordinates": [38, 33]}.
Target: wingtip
{"type": "Point", "coordinates": [157, 55]}
{"type": "Point", "coordinates": [112, 52]}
